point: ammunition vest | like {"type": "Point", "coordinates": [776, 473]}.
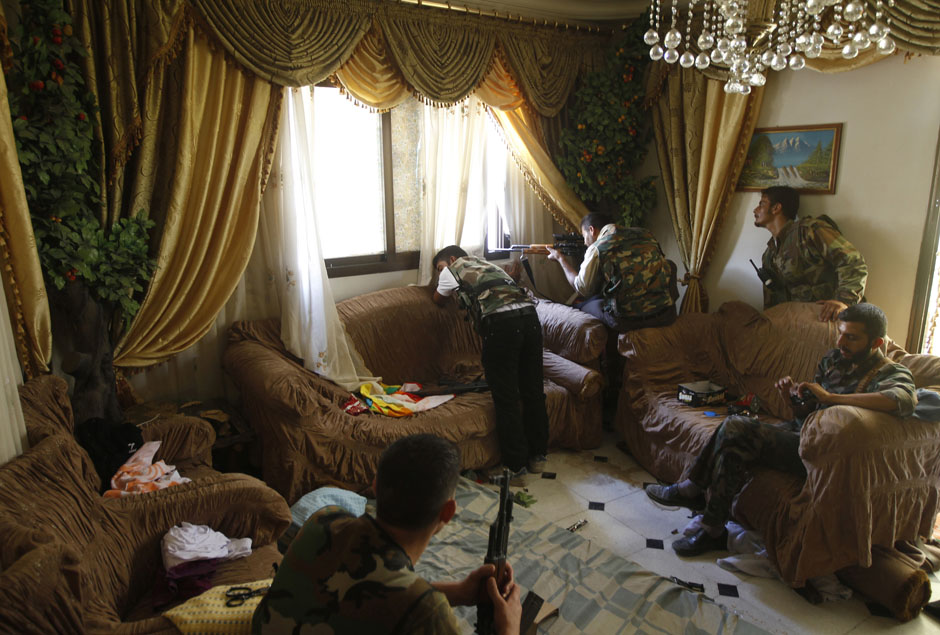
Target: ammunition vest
{"type": "Point", "coordinates": [636, 274]}
{"type": "Point", "coordinates": [484, 288]}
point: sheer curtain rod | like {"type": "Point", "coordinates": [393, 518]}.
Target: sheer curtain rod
{"type": "Point", "coordinates": [589, 28]}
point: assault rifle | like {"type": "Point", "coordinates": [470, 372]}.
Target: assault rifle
{"type": "Point", "coordinates": [572, 245]}
{"type": "Point", "coordinates": [496, 553]}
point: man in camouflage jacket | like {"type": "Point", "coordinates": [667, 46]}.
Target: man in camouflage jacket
{"type": "Point", "coordinates": [344, 574]}
{"type": "Point", "coordinates": [625, 279]}
{"type": "Point", "coordinates": [855, 374]}
{"type": "Point", "coordinates": [807, 259]}
{"type": "Point", "coordinates": [505, 317]}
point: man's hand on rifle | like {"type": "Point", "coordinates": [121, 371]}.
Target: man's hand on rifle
{"type": "Point", "coordinates": [507, 602]}
{"type": "Point", "coordinates": [554, 254]}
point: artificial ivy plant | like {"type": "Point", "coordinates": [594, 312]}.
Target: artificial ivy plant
{"type": "Point", "coordinates": [610, 134]}
{"type": "Point", "coordinates": [53, 125]}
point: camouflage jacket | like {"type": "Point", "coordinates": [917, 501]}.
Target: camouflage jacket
{"type": "Point", "coordinates": [344, 574]}
{"type": "Point", "coordinates": [811, 260]}
{"type": "Point", "coordinates": [635, 272]}
{"type": "Point", "coordinates": [485, 288]}
{"type": "Point", "coordinates": [873, 374]}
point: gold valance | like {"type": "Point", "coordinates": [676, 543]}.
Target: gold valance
{"type": "Point", "coordinates": [545, 65]}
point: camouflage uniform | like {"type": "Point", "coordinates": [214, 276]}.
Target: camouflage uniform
{"type": "Point", "coordinates": [508, 324]}
{"type": "Point", "coordinates": [632, 277]}
{"type": "Point", "coordinates": [739, 442]}
{"type": "Point", "coordinates": [344, 574]}
{"type": "Point", "coordinates": [811, 260]}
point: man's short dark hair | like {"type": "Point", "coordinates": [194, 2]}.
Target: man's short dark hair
{"type": "Point", "coordinates": [445, 254]}
{"type": "Point", "coordinates": [788, 198]}
{"type": "Point", "coordinates": [869, 316]}
{"type": "Point", "coordinates": [417, 474]}
{"type": "Point", "coordinates": [596, 220]}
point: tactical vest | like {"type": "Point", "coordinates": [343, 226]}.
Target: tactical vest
{"type": "Point", "coordinates": [484, 288]}
{"type": "Point", "coordinates": [636, 274]}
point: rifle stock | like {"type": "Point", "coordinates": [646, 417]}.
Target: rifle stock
{"type": "Point", "coordinates": [496, 553]}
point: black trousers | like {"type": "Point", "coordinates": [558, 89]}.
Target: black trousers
{"type": "Point", "coordinates": [512, 362]}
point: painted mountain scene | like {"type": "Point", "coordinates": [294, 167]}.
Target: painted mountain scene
{"type": "Point", "coordinates": [804, 158]}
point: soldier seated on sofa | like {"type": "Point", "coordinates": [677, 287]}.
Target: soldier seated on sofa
{"type": "Point", "coordinates": [505, 317]}
{"type": "Point", "coordinates": [625, 279]}
{"type": "Point", "coordinates": [344, 574]}
{"type": "Point", "coordinates": [855, 374]}
{"type": "Point", "coordinates": [807, 259]}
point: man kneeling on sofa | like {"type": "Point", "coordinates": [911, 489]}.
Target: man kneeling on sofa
{"type": "Point", "coordinates": [356, 575]}
{"type": "Point", "coordinates": [854, 374]}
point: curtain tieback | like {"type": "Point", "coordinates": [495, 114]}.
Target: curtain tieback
{"type": "Point", "coordinates": [689, 277]}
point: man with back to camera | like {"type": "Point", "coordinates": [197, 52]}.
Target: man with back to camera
{"type": "Point", "coordinates": [856, 373]}
{"type": "Point", "coordinates": [356, 575]}
{"type": "Point", "coordinates": [505, 317]}
{"type": "Point", "coordinates": [807, 259]}
{"type": "Point", "coordinates": [625, 279]}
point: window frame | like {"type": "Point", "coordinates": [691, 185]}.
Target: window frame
{"type": "Point", "coordinates": [391, 259]}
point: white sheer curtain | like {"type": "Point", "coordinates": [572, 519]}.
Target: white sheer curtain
{"type": "Point", "coordinates": [454, 181]}
{"type": "Point", "coordinates": [12, 426]}
{"type": "Point", "coordinates": [310, 324]}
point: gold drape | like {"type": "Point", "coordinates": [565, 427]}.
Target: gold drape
{"type": "Point", "coordinates": [370, 76]}
{"type": "Point", "coordinates": [702, 135]}
{"type": "Point", "coordinates": [23, 286]}
{"type": "Point", "coordinates": [546, 66]}
{"type": "Point", "coordinates": [518, 131]}
{"type": "Point", "coordinates": [211, 188]}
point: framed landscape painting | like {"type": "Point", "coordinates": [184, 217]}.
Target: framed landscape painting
{"type": "Point", "coordinates": [803, 157]}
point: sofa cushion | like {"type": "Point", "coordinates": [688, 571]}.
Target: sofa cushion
{"type": "Point", "coordinates": [47, 409]}
{"type": "Point", "coordinates": [42, 592]}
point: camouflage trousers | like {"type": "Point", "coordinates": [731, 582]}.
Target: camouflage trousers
{"type": "Point", "coordinates": [721, 469]}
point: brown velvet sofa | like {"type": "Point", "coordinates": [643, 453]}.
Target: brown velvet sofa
{"type": "Point", "coordinates": [309, 441]}
{"type": "Point", "coordinates": [873, 478]}
{"type": "Point", "coordinates": [72, 561]}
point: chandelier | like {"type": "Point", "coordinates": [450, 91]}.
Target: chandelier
{"type": "Point", "coordinates": [747, 48]}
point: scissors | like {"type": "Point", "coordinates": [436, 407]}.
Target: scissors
{"type": "Point", "coordinates": [238, 594]}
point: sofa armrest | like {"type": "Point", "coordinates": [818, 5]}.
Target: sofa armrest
{"type": "Point", "coordinates": [571, 333]}
{"type": "Point", "coordinates": [280, 382]}
{"type": "Point", "coordinates": [183, 440]}
{"type": "Point", "coordinates": [238, 505]}
{"type": "Point", "coordinates": [579, 380]}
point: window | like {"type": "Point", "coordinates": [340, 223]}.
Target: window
{"type": "Point", "coordinates": [367, 185]}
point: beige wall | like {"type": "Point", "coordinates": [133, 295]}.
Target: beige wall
{"type": "Point", "coordinates": [890, 113]}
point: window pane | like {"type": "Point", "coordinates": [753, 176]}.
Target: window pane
{"type": "Point", "coordinates": [348, 187]}
{"type": "Point", "coordinates": [407, 177]}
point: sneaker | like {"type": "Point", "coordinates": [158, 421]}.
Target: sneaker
{"type": "Point", "coordinates": [700, 542]}
{"type": "Point", "coordinates": [670, 496]}
{"type": "Point", "coordinates": [537, 464]}
{"type": "Point", "coordinates": [516, 478]}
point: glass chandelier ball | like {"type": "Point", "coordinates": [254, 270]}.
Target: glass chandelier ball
{"type": "Point", "coordinates": [757, 79]}
{"type": "Point", "coordinates": [802, 42]}
{"type": "Point", "coordinates": [877, 31]}
{"type": "Point", "coordinates": [850, 51]}
{"type": "Point", "coordinates": [767, 57]}
{"type": "Point", "coordinates": [817, 40]}
{"type": "Point", "coordinates": [813, 52]}
{"type": "Point", "coordinates": [686, 60]}
{"type": "Point", "coordinates": [702, 61]}
{"type": "Point", "coordinates": [651, 37]}
{"type": "Point", "coordinates": [886, 45]}
{"type": "Point", "coordinates": [673, 39]}
{"type": "Point", "coordinates": [723, 45]}
{"type": "Point", "coordinates": [656, 52]}
{"type": "Point", "coordinates": [734, 25]}
{"type": "Point", "coordinates": [706, 40]}
{"type": "Point", "coordinates": [861, 40]}
{"type": "Point", "coordinates": [717, 56]}
{"type": "Point", "coordinates": [778, 62]}
{"type": "Point", "coordinates": [739, 44]}
{"type": "Point", "coordinates": [834, 32]}
{"type": "Point", "coordinates": [815, 7]}
{"type": "Point", "coordinates": [671, 56]}
{"type": "Point", "coordinates": [853, 11]}
{"type": "Point", "coordinates": [784, 48]}
{"type": "Point", "coordinates": [797, 62]}
{"type": "Point", "coordinates": [732, 87]}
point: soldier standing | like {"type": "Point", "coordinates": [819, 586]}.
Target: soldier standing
{"type": "Point", "coordinates": [807, 259]}
{"type": "Point", "coordinates": [344, 574]}
{"type": "Point", "coordinates": [505, 317]}
{"type": "Point", "coordinates": [625, 278]}
{"type": "Point", "coordinates": [855, 374]}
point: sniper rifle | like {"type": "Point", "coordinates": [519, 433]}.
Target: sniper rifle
{"type": "Point", "coordinates": [496, 553]}
{"type": "Point", "coordinates": [572, 245]}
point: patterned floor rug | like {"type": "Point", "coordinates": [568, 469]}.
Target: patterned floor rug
{"type": "Point", "coordinates": [595, 590]}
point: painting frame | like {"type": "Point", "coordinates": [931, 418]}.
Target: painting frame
{"type": "Point", "coordinates": [804, 148]}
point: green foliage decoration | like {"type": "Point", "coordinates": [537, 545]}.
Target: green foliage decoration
{"type": "Point", "coordinates": [610, 134]}
{"type": "Point", "coordinates": [53, 125]}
